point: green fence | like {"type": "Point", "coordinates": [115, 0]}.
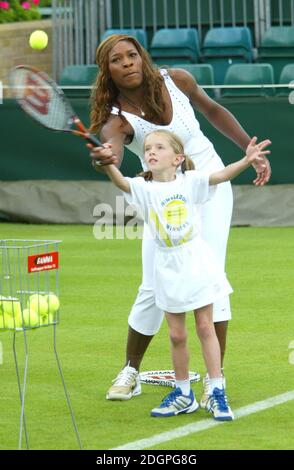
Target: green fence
{"type": "Point", "coordinates": [30, 152]}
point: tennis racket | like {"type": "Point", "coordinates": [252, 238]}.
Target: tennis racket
{"type": "Point", "coordinates": [164, 377]}
{"type": "Point", "coordinates": [42, 99]}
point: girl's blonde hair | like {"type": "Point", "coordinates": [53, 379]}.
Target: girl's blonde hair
{"type": "Point", "coordinates": [177, 146]}
{"type": "Point", "coordinates": [105, 93]}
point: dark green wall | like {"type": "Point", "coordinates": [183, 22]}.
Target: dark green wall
{"type": "Point", "coordinates": [29, 151]}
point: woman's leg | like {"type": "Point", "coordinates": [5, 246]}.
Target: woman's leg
{"type": "Point", "coordinates": [216, 217]}
{"type": "Point", "coordinates": [137, 345]}
{"type": "Point", "coordinates": [144, 321]}
{"type": "Point", "coordinates": [145, 318]}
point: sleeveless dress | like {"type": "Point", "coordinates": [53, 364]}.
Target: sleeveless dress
{"type": "Point", "coordinates": [183, 123]}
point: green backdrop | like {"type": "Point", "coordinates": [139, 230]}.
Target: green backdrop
{"type": "Point", "coordinates": [30, 152]}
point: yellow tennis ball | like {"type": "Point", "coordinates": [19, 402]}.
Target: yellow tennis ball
{"type": "Point", "coordinates": [8, 321]}
{"type": "Point", "coordinates": [38, 303]}
{"type": "Point", "coordinates": [49, 319]}
{"type": "Point", "coordinates": [11, 307]}
{"type": "Point", "coordinates": [2, 324]}
{"type": "Point", "coordinates": [18, 321]}
{"type": "Point", "coordinates": [30, 318]}
{"type": "Point", "coordinates": [38, 40]}
{"type": "Point", "coordinates": [53, 302]}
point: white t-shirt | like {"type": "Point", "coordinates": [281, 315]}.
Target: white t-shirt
{"type": "Point", "coordinates": [171, 209]}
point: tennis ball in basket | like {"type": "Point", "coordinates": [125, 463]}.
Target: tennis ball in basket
{"type": "Point", "coordinates": [8, 321]}
{"type": "Point", "coordinates": [38, 303]}
{"type": "Point", "coordinates": [30, 317]}
{"type": "Point", "coordinates": [53, 302]}
{"type": "Point", "coordinates": [1, 322]}
{"type": "Point", "coordinates": [38, 40]}
{"type": "Point", "coordinates": [11, 307]}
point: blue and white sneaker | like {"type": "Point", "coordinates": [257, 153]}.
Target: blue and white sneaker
{"type": "Point", "coordinates": [175, 403]}
{"type": "Point", "coordinates": [218, 406]}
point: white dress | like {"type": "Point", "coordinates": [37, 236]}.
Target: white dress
{"type": "Point", "coordinates": [187, 274]}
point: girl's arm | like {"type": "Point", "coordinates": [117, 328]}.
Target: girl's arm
{"type": "Point", "coordinates": [114, 173]}
{"type": "Point", "coordinates": [254, 154]}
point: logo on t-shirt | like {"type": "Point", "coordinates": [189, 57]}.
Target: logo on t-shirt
{"type": "Point", "coordinates": [175, 213]}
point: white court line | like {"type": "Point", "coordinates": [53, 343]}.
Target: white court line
{"type": "Point", "coordinates": [205, 424]}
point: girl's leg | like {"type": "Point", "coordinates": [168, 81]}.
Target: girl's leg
{"type": "Point", "coordinates": [178, 340]}
{"type": "Point", "coordinates": [209, 342]}
{"type": "Point", "coordinates": [181, 400]}
{"type": "Point", "coordinates": [221, 329]}
{"type": "Point", "coordinates": [217, 402]}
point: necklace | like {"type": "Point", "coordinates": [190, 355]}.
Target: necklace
{"type": "Point", "coordinates": [134, 105]}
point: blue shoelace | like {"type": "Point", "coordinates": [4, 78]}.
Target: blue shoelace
{"type": "Point", "coordinates": [220, 398]}
{"type": "Point", "coordinates": [170, 397]}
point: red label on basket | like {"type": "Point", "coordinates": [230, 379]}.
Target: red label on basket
{"type": "Point", "coordinates": [43, 262]}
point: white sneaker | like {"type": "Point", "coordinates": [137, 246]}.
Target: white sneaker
{"type": "Point", "coordinates": [126, 385]}
{"type": "Point", "coordinates": [205, 395]}
{"type": "Point", "coordinates": [175, 403]}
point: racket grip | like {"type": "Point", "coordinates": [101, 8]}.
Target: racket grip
{"type": "Point", "coordinates": [93, 140]}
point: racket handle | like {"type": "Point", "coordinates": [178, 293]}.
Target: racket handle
{"type": "Point", "coordinates": [93, 140]}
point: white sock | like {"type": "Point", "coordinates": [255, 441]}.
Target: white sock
{"type": "Point", "coordinates": [184, 385]}
{"type": "Point", "coordinates": [215, 383]}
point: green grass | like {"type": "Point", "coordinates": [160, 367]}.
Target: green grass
{"type": "Point", "coordinates": [98, 283]}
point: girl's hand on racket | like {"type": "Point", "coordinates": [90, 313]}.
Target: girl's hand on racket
{"type": "Point", "coordinates": [262, 165]}
{"type": "Point", "coordinates": [102, 156]}
{"type": "Point", "coordinates": [256, 154]}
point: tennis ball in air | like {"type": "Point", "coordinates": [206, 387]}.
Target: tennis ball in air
{"type": "Point", "coordinates": [53, 302]}
{"type": "Point", "coordinates": [38, 303]}
{"type": "Point", "coordinates": [38, 40]}
{"type": "Point", "coordinates": [30, 318]}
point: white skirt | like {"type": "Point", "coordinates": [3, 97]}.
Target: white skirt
{"type": "Point", "coordinates": [188, 277]}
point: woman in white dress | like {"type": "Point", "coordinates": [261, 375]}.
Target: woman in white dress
{"type": "Point", "coordinates": [188, 275]}
{"type": "Point", "coordinates": [131, 98]}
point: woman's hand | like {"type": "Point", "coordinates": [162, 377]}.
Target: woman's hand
{"type": "Point", "coordinates": [261, 165]}
{"type": "Point", "coordinates": [255, 155]}
{"type": "Point", "coordinates": [102, 156]}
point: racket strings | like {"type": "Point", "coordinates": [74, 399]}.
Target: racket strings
{"type": "Point", "coordinates": [41, 100]}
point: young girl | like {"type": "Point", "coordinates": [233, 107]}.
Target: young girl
{"type": "Point", "coordinates": [188, 276]}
